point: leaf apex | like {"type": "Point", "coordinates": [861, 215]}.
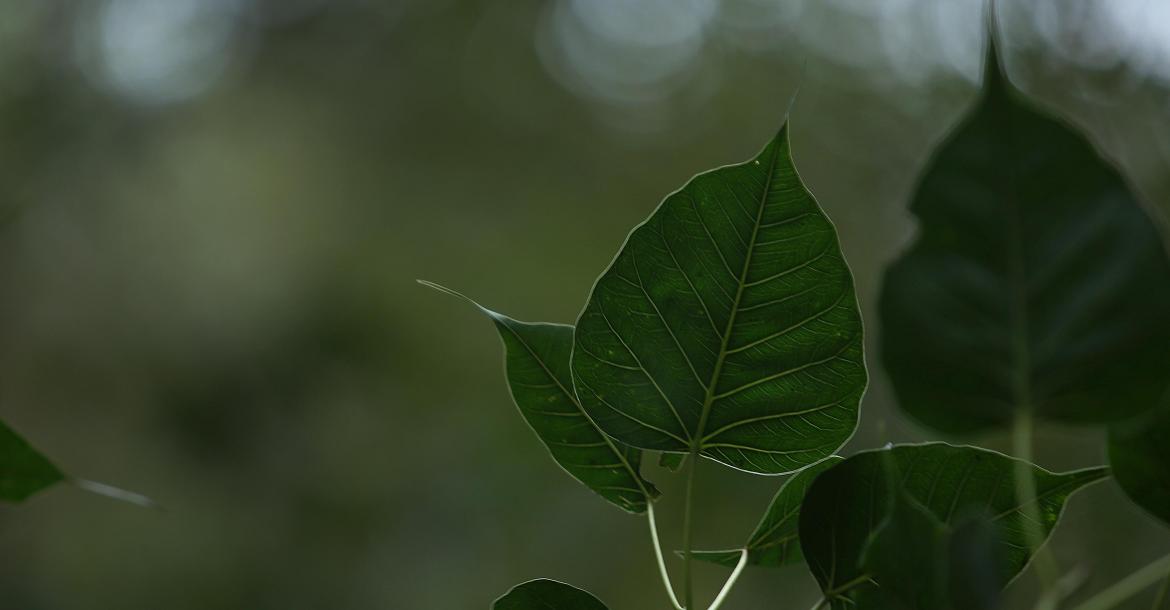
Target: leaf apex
{"type": "Point", "coordinates": [459, 295]}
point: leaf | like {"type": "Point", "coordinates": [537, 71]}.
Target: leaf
{"type": "Point", "coordinates": [848, 502]}
{"type": "Point", "coordinates": [727, 325]}
{"type": "Point", "coordinates": [775, 541]}
{"type": "Point", "coordinates": [671, 461]}
{"type": "Point", "coordinates": [537, 368]}
{"type": "Point", "coordinates": [544, 594]}
{"type": "Point", "coordinates": [908, 557]}
{"type": "Point", "coordinates": [23, 470]}
{"type": "Point", "coordinates": [1037, 280]}
{"type": "Point", "coordinates": [922, 564]}
{"type": "Point", "coordinates": [1139, 454]}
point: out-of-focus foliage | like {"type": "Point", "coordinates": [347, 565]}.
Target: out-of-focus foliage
{"type": "Point", "coordinates": [1139, 454]}
{"type": "Point", "coordinates": [1037, 283]}
{"type": "Point", "coordinates": [213, 213]}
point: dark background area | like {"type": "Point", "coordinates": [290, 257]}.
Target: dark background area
{"type": "Point", "coordinates": [212, 213]}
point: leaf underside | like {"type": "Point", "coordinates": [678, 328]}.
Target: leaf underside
{"type": "Point", "coordinates": [1139, 454]}
{"type": "Point", "coordinates": [544, 594]}
{"type": "Point", "coordinates": [847, 504]}
{"type": "Point", "coordinates": [23, 470]}
{"type": "Point", "coordinates": [537, 370]}
{"type": "Point", "coordinates": [776, 540]}
{"type": "Point", "coordinates": [727, 325]}
{"type": "Point", "coordinates": [1037, 280]}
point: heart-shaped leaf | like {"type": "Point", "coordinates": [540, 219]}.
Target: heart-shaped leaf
{"type": "Point", "coordinates": [1037, 281]}
{"type": "Point", "coordinates": [1139, 454]}
{"type": "Point", "coordinates": [727, 325]}
{"type": "Point", "coordinates": [544, 594]}
{"type": "Point", "coordinates": [848, 503]}
{"type": "Point", "coordinates": [776, 540]}
{"type": "Point", "coordinates": [537, 369]}
{"type": "Point", "coordinates": [23, 470]}
{"type": "Point", "coordinates": [923, 564]}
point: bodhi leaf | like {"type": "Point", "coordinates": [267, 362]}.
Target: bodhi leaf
{"type": "Point", "coordinates": [1139, 454]}
{"type": "Point", "coordinates": [1037, 281]}
{"type": "Point", "coordinates": [923, 564]}
{"type": "Point", "coordinates": [23, 470]}
{"type": "Point", "coordinates": [847, 503]}
{"type": "Point", "coordinates": [537, 368]}
{"type": "Point", "coordinates": [775, 542]}
{"type": "Point", "coordinates": [727, 325]}
{"type": "Point", "coordinates": [544, 594]}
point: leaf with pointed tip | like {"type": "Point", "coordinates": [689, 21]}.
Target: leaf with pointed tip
{"type": "Point", "coordinates": [1139, 454]}
{"type": "Point", "coordinates": [848, 502]}
{"type": "Point", "coordinates": [671, 461]}
{"type": "Point", "coordinates": [727, 325]}
{"type": "Point", "coordinates": [23, 470]}
{"type": "Point", "coordinates": [775, 542]}
{"type": "Point", "coordinates": [537, 368]}
{"type": "Point", "coordinates": [544, 594]}
{"type": "Point", "coordinates": [1037, 280]}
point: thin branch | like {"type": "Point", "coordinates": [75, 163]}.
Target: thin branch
{"type": "Point", "coordinates": [743, 559]}
{"type": "Point", "coordinates": [1128, 587]}
{"type": "Point", "coordinates": [658, 555]}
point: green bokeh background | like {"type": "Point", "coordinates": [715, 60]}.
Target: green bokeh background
{"type": "Point", "coordinates": [211, 299]}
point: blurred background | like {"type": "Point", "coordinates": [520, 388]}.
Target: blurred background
{"type": "Point", "coordinates": [212, 213]}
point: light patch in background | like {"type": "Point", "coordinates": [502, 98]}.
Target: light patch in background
{"type": "Point", "coordinates": [641, 55]}
{"type": "Point", "coordinates": [158, 51]}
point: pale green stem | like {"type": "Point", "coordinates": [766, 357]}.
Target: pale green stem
{"type": "Point", "coordinates": [688, 586]}
{"type": "Point", "coordinates": [743, 559]}
{"type": "Point", "coordinates": [658, 555]}
{"type": "Point", "coordinates": [820, 604]}
{"type": "Point", "coordinates": [1046, 568]}
{"type": "Point", "coordinates": [1128, 587]}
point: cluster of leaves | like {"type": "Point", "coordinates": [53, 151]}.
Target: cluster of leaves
{"type": "Point", "coordinates": [727, 327]}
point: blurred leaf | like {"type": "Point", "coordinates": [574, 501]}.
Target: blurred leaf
{"type": "Point", "coordinates": [1139, 454]}
{"type": "Point", "coordinates": [23, 470]}
{"type": "Point", "coordinates": [544, 594]}
{"type": "Point", "coordinates": [1037, 281]}
{"type": "Point", "coordinates": [672, 461]}
{"type": "Point", "coordinates": [537, 368]}
{"type": "Point", "coordinates": [907, 558]}
{"type": "Point", "coordinates": [921, 564]}
{"type": "Point", "coordinates": [727, 324]}
{"type": "Point", "coordinates": [775, 542]}
{"type": "Point", "coordinates": [847, 503]}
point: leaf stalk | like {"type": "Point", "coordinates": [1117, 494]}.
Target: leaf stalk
{"type": "Point", "coordinates": [658, 555]}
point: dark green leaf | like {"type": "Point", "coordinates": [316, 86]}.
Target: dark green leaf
{"type": "Point", "coordinates": [1140, 456]}
{"type": "Point", "coordinates": [1037, 280]}
{"type": "Point", "coordinates": [775, 542]}
{"type": "Point", "coordinates": [907, 558]}
{"type": "Point", "coordinates": [847, 503]}
{"type": "Point", "coordinates": [672, 461]}
{"type": "Point", "coordinates": [537, 368]}
{"type": "Point", "coordinates": [544, 594]}
{"type": "Point", "coordinates": [728, 325]}
{"type": "Point", "coordinates": [23, 471]}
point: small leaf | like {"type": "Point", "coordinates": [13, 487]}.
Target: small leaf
{"type": "Point", "coordinates": [727, 324]}
{"type": "Point", "coordinates": [23, 471]}
{"type": "Point", "coordinates": [544, 594]}
{"type": "Point", "coordinates": [776, 540]}
{"type": "Point", "coordinates": [672, 461]}
{"type": "Point", "coordinates": [847, 503]}
{"type": "Point", "coordinates": [537, 368]}
{"type": "Point", "coordinates": [1037, 280]}
{"type": "Point", "coordinates": [1139, 454]}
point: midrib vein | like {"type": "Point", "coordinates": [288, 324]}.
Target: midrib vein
{"type": "Point", "coordinates": [709, 398]}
